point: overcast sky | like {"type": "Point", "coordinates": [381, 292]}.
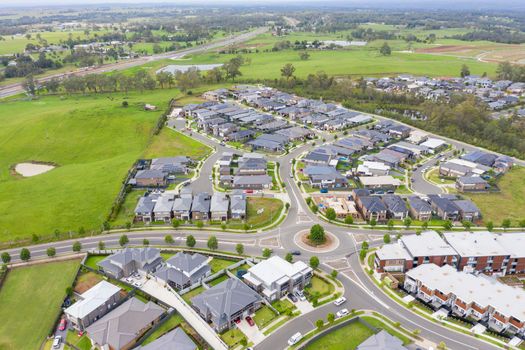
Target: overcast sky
{"type": "Point", "coordinates": [474, 4]}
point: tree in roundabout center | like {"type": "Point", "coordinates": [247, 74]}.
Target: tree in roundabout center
{"type": "Point", "coordinates": [317, 234]}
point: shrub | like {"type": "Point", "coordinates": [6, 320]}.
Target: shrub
{"type": "Point", "coordinates": [190, 241]}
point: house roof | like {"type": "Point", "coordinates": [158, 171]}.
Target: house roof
{"type": "Point", "coordinates": [182, 203]}
{"type": "Point", "coordinates": [428, 243]}
{"type": "Point", "coordinates": [469, 244]}
{"type": "Point", "coordinates": [175, 339]}
{"type": "Point", "coordinates": [393, 251]}
{"type": "Point", "coordinates": [445, 204]}
{"type": "Point", "coordinates": [273, 269]}
{"type": "Point", "coordinates": [419, 205]}
{"type": "Point", "coordinates": [382, 341]}
{"type": "Point", "coordinates": [238, 203]}
{"type": "Point", "coordinates": [201, 203]}
{"type": "Point", "coordinates": [252, 180]}
{"type": "Point", "coordinates": [395, 203]}
{"type": "Point", "coordinates": [186, 262]}
{"type": "Point", "coordinates": [225, 299]}
{"type": "Point", "coordinates": [471, 180]}
{"type": "Point", "coordinates": [122, 325]}
{"type": "Point", "coordinates": [386, 180]}
{"type": "Point", "coordinates": [146, 203]}
{"type": "Point", "coordinates": [219, 202]}
{"type": "Point", "coordinates": [149, 174]}
{"type": "Point", "coordinates": [164, 203]}
{"type": "Point", "coordinates": [466, 205]}
{"type": "Point", "coordinates": [469, 288]}
{"type": "Point", "coordinates": [372, 204]}
{"type": "Point", "coordinates": [92, 299]}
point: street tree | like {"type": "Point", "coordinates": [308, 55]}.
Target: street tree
{"type": "Point", "coordinates": [145, 242]}
{"type": "Point", "coordinates": [489, 225]}
{"type": "Point", "coordinates": [190, 241]}
{"type": "Point", "coordinates": [505, 223]}
{"type": "Point", "coordinates": [349, 220]}
{"type": "Point", "coordinates": [267, 252]}
{"type": "Point", "coordinates": [407, 222]}
{"type": "Point", "coordinates": [317, 234]}
{"type": "Point", "coordinates": [330, 317]}
{"type": "Point", "coordinates": [77, 246]}
{"type": "Point", "coordinates": [288, 257]}
{"type": "Point", "coordinates": [314, 262]}
{"type": "Point", "coordinates": [239, 248]}
{"type": "Point", "coordinates": [51, 252]}
{"type": "Point", "coordinates": [386, 238]}
{"type": "Point", "coordinates": [101, 245]}
{"type": "Point", "coordinates": [123, 240]}
{"type": "Point", "coordinates": [25, 254]}
{"type": "Point", "coordinates": [465, 71]}
{"type": "Point", "coordinates": [6, 257]}
{"type": "Point", "coordinates": [330, 214]}
{"type": "Point", "coordinates": [213, 244]}
{"type": "Point", "coordinates": [169, 239]}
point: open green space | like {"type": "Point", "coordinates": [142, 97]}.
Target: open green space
{"type": "Point", "coordinates": [127, 210]}
{"type": "Point", "coordinates": [92, 139]}
{"type": "Point", "coordinates": [509, 203]}
{"type": "Point", "coordinates": [319, 287]}
{"type": "Point", "coordinates": [30, 301]}
{"type": "Point", "coordinates": [271, 209]}
{"type": "Point", "coordinates": [218, 280]}
{"type": "Point", "coordinates": [345, 338]}
{"type": "Point", "coordinates": [218, 264]}
{"type": "Point", "coordinates": [173, 143]}
{"type": "Point", "coordinates": [263, 316]}
{"type": "Point", "coordinates": [354, 62]}
{"type": "Point", "coordinates": [173, 321]}
{"type": "Point", "coordinates": [381, 325]}
{"type": "Point", "coordinates": [433, 176]}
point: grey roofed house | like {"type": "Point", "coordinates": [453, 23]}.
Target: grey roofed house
{"type": "Point", "coordinates": [238, 205]}
{"type": "Point", "coordinates": [317, 157]}
{"type": "Point", "coordinates": [480, 157]}
{"type": "Point", "coordinates": [373, 204]}
{"type": "Point", "coordinates": [171, 160]}
{"type": "Point", "coordinates": [253, 181]}
{"type": "Point", "coordinates": [201, 205]}
{"type": "Point", "coordinates": [445, 207]}
{"type": "Point", "coordinates": [131, 260]}
{"type": "Point", "coordinates": [419, 205]}
{"type": "Point", "coordinates": [225, 302]}
{"type": "Point", "coordinates": [121, 327]}
{"type": "Point", "coordinates": [175, 339]}
{"type": "Point", "coordinates": [382, 341]}
{"type": "Point", "coordinates": [183, 270]}
{"type": "Point", "coordinates": [266, 144]}
{"type": "Point", "coordinates": [396, 206]}
{"type": "Point", "coordinates": [241, 135]}
{"type": "Point", "coordinates": [320, 170]}
{"type": "Point", "coordinates": [145, 205]}
{"type": "Point", "coordinates": [467, 209]}
{"type": "Point", "coordinates": [182, 206]}
{"type": "Point", "coordinates": [219, 207]}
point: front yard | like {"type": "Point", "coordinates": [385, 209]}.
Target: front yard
{"type": "Point", "coordinates": [218, 264]}
{"type": "Point", "coordinates": [283, 305]}
{"type": "Point", "coordinates": [30, 301]}
{"type": "Point", "coordinates": [232, 337]}
{"type": "Point", "coordinates": [264, 316]}
{"type": "Point", "coordinates": [318, 288]}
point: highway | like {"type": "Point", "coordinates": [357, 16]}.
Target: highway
{"type": "Point", "coordinates": [15, 89]}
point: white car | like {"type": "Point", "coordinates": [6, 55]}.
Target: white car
{"type": "Point", "coordinates": [295, 338]}
{"type": "Point", "coordinates": [137, 284]}
{"type": "Point", "coordinates": [300, 295]}
{"type": "Point", "coordinates": [339, 301]}
{"type": "Point", "coordinates": [57, 341]}
{"type": "Point", "coordinates": [342, 313]}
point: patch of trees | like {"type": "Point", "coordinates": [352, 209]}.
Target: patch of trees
{"type": "Point", "coordinates": [369, 34]}
{"type": "Point", "coordinates": [495, 34]}
{"type": "Point", "coordinates": [507, 71]}
{"type": "Point", "coordinates": [25, 66]}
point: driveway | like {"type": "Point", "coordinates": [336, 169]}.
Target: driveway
{"type": "Point", "coordinates": [251, 332]}
{"type": "Point", "coordinates": [304, 306]}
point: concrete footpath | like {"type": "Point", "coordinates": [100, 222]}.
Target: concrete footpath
{"type": "Point", "coordinates": [172, 299]}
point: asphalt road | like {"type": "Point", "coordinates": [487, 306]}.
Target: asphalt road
{"type": "Point", "coordinates": [14, 89]}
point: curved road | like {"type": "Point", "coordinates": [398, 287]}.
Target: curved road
{"type": "Point", "coordinates": [360, 291]}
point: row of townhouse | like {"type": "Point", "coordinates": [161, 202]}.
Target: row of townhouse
{"type": "Point", "coordinates": [248, 172]}
{"type": "Point", "coordinates": [186, 206]}
{"type": "Point", "coordinates": [391, 206]}
{"type": "Point", "coordinates": [482, 252]}
{"type": "Point", "coordinates": [481, 298]}
{"type": "Point", "coordinates": [315, 113]}
{"type": "Point", "coordinates": [496, 94]}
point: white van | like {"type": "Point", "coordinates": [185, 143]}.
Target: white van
{"type": "Point", "coordinates": [295, 338]}
{"type": "Point", "coordinates": [339, 301]}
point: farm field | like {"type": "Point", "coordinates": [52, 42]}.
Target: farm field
{"type": "Point", "coordinates": [93, 141]}
{"type": "Point", "coordinates": [31, 309]}
{"type": "Point", "coordinates": [353, 62]}
{"type": "Point", "coordinates": [495, 206]}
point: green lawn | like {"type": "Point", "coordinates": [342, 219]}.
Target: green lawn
{"type": "Point", "coordinates": [92, 260]}
{"type": "Point", "coordinates": [509, 203]}
{"type": "Point", "coordinates": [318, 287]}
{"type": "Point", "coordinates": [218, 264]}
{"type": "Point", "coordinates": [283, 305]}
{"type": "Point", "coordinates": [242, 267]}
{"type": "Point", "coordinates": [173, 143]}
{"type": "Point", "coordinates": [264, 316]}
{"type": "Point", "coordinates": [433, 176]}
{"type": "Point", "coordinates": [345, 338]}
{"type": "Point", "coordinates": [187, 297]}
{"type": "Point", "coordinates": [174, 321]}
{"type": "Point", "coordinates": [92, 139]}
{"type": "Point", "coordinates": [381, 325]}
{"type": "Point", "coordinates": [82, 343]}
{"type": "Point", "coordinates": [218, 280]}
{"type": "Point", "coordinates": [127, 210]}
{"type": "Point", "coordinates": [31, 298]}
{"type": "Point", "coordinates": [232, 337]}
{"type": "Point", "coordinates": [272, 209]}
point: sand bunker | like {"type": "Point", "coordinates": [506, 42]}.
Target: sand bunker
{"type": "Point", "coordinates": [32, 169]}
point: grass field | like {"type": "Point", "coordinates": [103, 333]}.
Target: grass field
{"type": "Point", "coordinates": [31, 299]}
{"type": "Point", "coordinates": [345, 338]}
{"type": "Point", "coordinates": [272, 209]}
{"type": "Point", "coordinates": [318, 287]}
{"type": "Point", "coordinates": [93, 140]}
{"type": "Point", "coordinates": [92, 261]}
{"type": "Point", "coordinates": [507, 204]}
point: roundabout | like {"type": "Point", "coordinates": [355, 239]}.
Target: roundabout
{"type": "Point", "coordinates": [330, 244]}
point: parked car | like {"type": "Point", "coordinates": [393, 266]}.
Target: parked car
{"type": "Point", "coordinates": [339, 301]}
{"type": "Point", "coordinates": [63, 324]}
{"type": "Point", "coordinates": [250, 321]}
{"type": "Point", "coordinates": [323, 190]}
{"type": "Point", "coordinates": [292, 297]}
{"type": "Point", "coordinates": [57, 341]}
{"type": "Point", "coordinates": [295, 338]}
{"type": "Point", "coordinates": [300, 295]}
{"type": "Point", "coordinates": [341, 313]}
{"type": "Point", "coordinates": [238, 320]}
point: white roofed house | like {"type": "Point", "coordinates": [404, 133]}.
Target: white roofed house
{"type": "Point", "coordinates": [220, 207]}
{"type": "Point", "coordinates": [275, 277]}
{"type": "Point", "coordinates": [369, 168]}
{"type": "Point", "coordinates": [93, 304]}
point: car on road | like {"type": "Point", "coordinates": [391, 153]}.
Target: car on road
{"type": "Point", "coordinates": [222, 144]}
{"type": "Point", "coordinates": [339, 301]}
{"type": "Point", "coordinates": [250, 321]}
{"type": "Point", "coordinates": [137, 284]}
{"type": "Point", "coordinates": [295, 252]}
{"type": "Point", "coordinates": [57, 341]}
{"type": "Point", "coordinates": [295, 338]}
{"type": "Point", "coordinates": [210, 177]}
{"type": "Point", "coordinates": [292, 297]}
{"type": "Point", "coordinates": [63, 324]}
{"type": "Point", "coordinates": [342, 313]}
